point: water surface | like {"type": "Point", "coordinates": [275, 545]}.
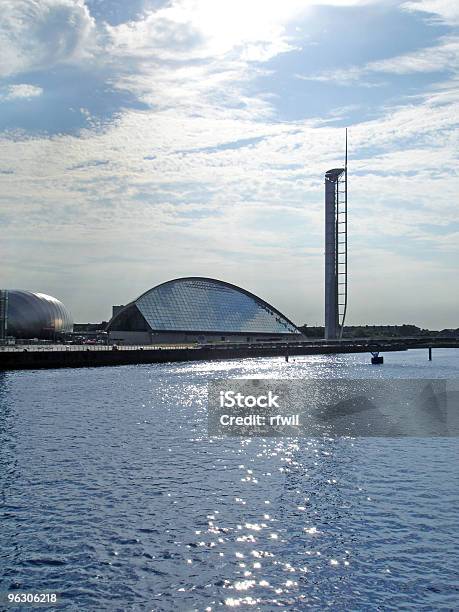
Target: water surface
{"type": "Point", "coordinates": [113, 495]}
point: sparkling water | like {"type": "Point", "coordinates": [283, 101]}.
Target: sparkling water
{"type": "Point", "coordinates": [113, 496]}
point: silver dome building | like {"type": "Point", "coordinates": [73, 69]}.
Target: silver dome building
{"type": "Point", "coordinates": [36, 315]}
{"type": "Point", "coordinates": [198, 309]}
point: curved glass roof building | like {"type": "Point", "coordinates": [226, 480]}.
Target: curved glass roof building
{"type": "Point", "coordinates": [36, 315]}
{"type": "Point", "coordinates": [194, 308]}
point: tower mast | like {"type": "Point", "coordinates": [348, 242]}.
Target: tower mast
{"type": "Point", "coordinates": [336, 250]}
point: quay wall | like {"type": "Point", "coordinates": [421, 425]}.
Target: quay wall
{"type": "Point", "coordinates": [87, 357]}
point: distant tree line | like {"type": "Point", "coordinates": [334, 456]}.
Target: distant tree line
{"type": "Point", "coordinates": [381, 331]}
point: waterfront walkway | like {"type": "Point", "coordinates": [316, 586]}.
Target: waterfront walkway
{"type": "Point", "coordinates": [36, 356]}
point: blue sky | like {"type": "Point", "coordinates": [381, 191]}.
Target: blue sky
{"type": "Point", "coordinates": [146, 140]}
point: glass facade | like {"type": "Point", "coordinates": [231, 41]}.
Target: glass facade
{"type": "Point", "coordinates": [207, 305]}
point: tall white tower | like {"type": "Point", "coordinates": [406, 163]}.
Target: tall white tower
{"type": "Point", "coordinates": [335, 250]}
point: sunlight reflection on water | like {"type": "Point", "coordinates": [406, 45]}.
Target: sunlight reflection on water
{"type": "Point", "coordinates": [113, 495]}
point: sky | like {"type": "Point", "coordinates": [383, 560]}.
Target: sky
{"type": "Point", "coordinates": [148, 140]}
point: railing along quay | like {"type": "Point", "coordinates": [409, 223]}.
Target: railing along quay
{"type": "Point", "coordinates": [62, 356]}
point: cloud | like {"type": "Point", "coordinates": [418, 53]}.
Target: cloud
{"type": "Point", "coordinates": [446, 11]}
{"type": "Point", "coordinates": [255, 211]}
{"type": "Point", "coordinates": [38, 34]}
{"type": "Point", "coordinates": [20, 91]}
{"type": "Point", "coordinates": [198, 29]}
{"type": "Point", "coordinates": [199, 55]}
{"type": "Point", "coordinates": [166, 169]}
{"type": "Point", "coordinates": [346, 77]}
{"type": "Point", "coordinates": [193, 55]}
{"type": "Point", "coordinates": [443, 56]}
{"type": "Point", "coordinates": [205, 178]}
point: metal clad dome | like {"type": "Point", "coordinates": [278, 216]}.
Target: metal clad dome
{"type": "Point", "coordinates": [201, 304]}
{"type": "Point", "coordinates": [36, 315]}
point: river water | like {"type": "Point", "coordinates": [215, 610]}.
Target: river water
{"type": "Point", "coordinates": [113, 496]}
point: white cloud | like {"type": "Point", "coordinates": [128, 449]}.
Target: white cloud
{"type": "Point", "coordinates": [443, 56]}
{"type": "Point", "coordinates": [181, 189]}
{"type": "Point", "coordinates": [443, 10]}
{"type": "Point", "coordinates": [20, 91]}
{"type": "Point", "coordinates": [192, 55]}
{"type": "Point", "coordinates": [37, 34]}
{"type": "Point", "coordinates": [199, 54]}
{"type": "Point", "coordinates": [438, 58]}
{"type": "Point", "coordinates": [153, 179]}
{"type": "Point", "coordinates": [209, 28]}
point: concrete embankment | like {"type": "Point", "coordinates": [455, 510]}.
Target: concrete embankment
{"type": "Point", "coordinates": [37, 358]}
